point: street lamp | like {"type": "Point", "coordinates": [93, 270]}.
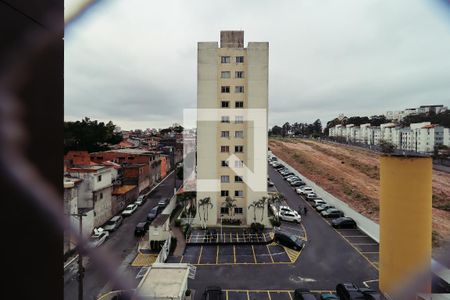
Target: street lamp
{"type": "Point", "coordinates": [80, 257]}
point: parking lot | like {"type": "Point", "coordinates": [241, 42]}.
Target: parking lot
{"type": "Point", "coordinates": [329, 257]}
{"type": "Point", "coordinates": [265, 294]}
{"type": "Point", "coordinates": [237, 254]}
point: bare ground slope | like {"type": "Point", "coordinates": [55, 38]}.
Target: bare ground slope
{"type": "Point", "coordinates": [352, 175]}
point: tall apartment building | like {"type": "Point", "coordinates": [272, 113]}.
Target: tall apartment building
{"type": "Point", "coordinates": [232, 79]}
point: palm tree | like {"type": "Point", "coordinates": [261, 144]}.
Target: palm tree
{"type": "Point", "coordinates": [254, 205]}
{"type": "Point", "coordinates": [205, 204]}
{"type": "Point", "coordinates": [230, 204]}
{"type": "Point", "coordinates": [276, 199]}
{"type": "Point", "coordinates": [261, 204]}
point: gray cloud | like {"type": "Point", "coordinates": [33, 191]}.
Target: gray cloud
{"type": "Point", "coordinates": [134, 62]}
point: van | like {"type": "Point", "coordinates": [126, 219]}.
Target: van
{"type": "Point", "coordinates": [113, 223]}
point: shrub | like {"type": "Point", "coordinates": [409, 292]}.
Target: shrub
{"type": "Point", "coordinates": [177, 222]}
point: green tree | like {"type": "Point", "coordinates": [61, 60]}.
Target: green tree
{"type": "Point", "coordinates": [387, 147]}
{"type": "Point", "coordinates": [205, 204]}
{"type": "Point", "coordinates": [91, 136]}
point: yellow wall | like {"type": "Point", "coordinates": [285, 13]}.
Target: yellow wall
{"type": "Point", "coordinates": [405, 218]}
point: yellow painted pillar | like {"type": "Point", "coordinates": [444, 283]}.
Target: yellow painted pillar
{"type": "Point", "coordinates": [405, 219]}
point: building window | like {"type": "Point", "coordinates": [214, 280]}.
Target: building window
{"type": "Point", "coordinates": [224, 210]}
{"type": "Point", "coordinates": [225, 119]}
{"type": "Point", "coordinates": [239, 59]}
{"type": "Point", "coordinates": [238, 179]}
{"type": "Point", "coordinates": [225, 59]}
{"type": "Point", "coordinates": [225, 134]}
{"type": "Point", "coordinates": [225, 104]}
{"type": "Point", "coordinates": [239, 104]}
{"type": "Point", "coordinates": [99, 178]}
{"type": "Point", "coordinates": [238, 89]}
{"type": "Point", "coordinates": [225, 178]}
{"type": "Point", "coordinates": [239, 134]}
{"type": "Point", "coordinates": [238, 149]}
{"type": "Point", "coordinates": [239, 119]}
{"type": "Point", "coordinates": [101, 196]}
{"type": "Point", "coordinates": [238, 163]}
{"type": "Point", "coordinates": [224, 193]}
{"type": "Point", "coordinates": [225, 89]}
{"type": "Point", "coordinates": [224, 163]}
{"type": "Point", "coordinates": [239, 193]}
{"type": "Point", "coordinates": [224, 149]}
{"type": "Point", "coordinates": [238, 210]}
{"type": "Point", "coordinates": [225, 74]}
{"type": "Point", "coordinates": [239, 74]}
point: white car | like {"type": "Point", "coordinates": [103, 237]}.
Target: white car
{"type": "Point", "coordinates": [284, 208]}
{"type": "Point", "coordinates": [318, 202]}
{"type": "Point", "coordinates": [129, 210]}
{"type": "Point", "coordinates": [290, 216]}
{"type": "Point", "coordinates": [140, 200]}
{"type": "Point", "coordinates": [304, 190]}
{"type": "Point", "coordinates": [311, 195]}
{"type": "Point", "coordinates": [98, 238]}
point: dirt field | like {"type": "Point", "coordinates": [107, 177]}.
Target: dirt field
{"type": "Point", "coordinates": [352, 175]}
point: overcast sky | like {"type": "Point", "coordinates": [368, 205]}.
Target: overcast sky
{"type": "Point", "coordinates": [134, 62]}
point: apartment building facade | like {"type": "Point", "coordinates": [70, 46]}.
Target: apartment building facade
{"type": "Point", "coordinates": [232, 79]}
{"type": "Point", "coordinates": [418, 137]}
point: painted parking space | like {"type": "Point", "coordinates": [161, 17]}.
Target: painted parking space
{"type": "Point", "coordinates": [267, 294]}
{"type": "Point", "coordinates": [237, 254]}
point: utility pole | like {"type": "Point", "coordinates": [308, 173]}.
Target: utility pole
{"type": "Point", "coordinates": [80, 257]}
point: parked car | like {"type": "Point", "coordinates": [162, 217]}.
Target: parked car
{"type": "Point", "coordinates": [152, 214]}
{"type": "Point", "coordinates": [317, 202]}
{"type": "Point", "coordinates": [289, 176]}
{"type": "Point", "coordinates": [163, 202]}
{"type": "Point", "coordinates": [325, 206]}
{"type": "Point", "coordinates": [303, 294]}
{"type": "Point", "coordinates": [129, 210]}
{"type": "Point", "coordinates": [297, 183]}
{"type": "Point", "coordinates": [99, 237]}
{"type": "Point", "coordinates": [284, 208]}
{"type": "Point", "coordinates": [291, 216]}
{"type": "Point", "coordinates": [140, 200]}
{"type": "Point", "coordinates": [293, 178]}
{"type": "Point", "coordinates": [343, 222]}
{"type": "Point", "coordinates": [141, 228]}
{"type": "Point", "coordinates": [113, 223]}
{"type": "Point", "coordinates": [288, 240]}
{"type": "Point", "coordinates": [313, 200]}
{"type": "Point", "coordinates": [350, 291]}
{"type": "Point", "coordinates": [269, 183]}
{"type": "Point", "coordinates": [304, 190]}
{"type": "Point", "coordinates": [286, 174]}
{"type": "Point", "coordinates": [332, 213]}
{"type": "Point", "coordinates": [311, 195]}
{"type": "Point", "coordinates": [278, 166]}
{"type": "Point", "coordinates": [213, 293]}
{"type": "Point", "coordinates": [328, 296]}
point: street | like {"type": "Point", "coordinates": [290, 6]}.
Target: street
{"type": "Point", "coordinates": [122, 245]}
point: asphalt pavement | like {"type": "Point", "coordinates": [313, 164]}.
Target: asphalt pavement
{"type": "Point", "coordinates": [122, 245]}
{"type": "Point", "coordinates": [327, 259]}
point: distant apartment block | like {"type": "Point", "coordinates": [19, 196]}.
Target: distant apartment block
{"type": "Point", "coordinates": [419, 137]}
{"type": "Point", "coordinates": [231, 79]}
{"type": "Point", "coordinates": [400, 114]}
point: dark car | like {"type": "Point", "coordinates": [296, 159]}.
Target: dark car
{"type": "Point", "coordinates": [332, 213]}
{"type": "Point", "coordinates": [350, 291]}
{"type": "Point", "coordinates": [152, 214]}
{"type": "Point", "coordinates": [343, 222]}
{"type": "Point", "coordinates": [303, 294]}
{"type": "Point", "coordinates": [141, 228]}
{"type": "Point", "coordinates": [289, 240]}
{"type": "Point", "coordinates": [279, 166]}
{"type": "Point", "coordinates": [213, 293]}
{"type": "Point", "coordinates": [297, 183]}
